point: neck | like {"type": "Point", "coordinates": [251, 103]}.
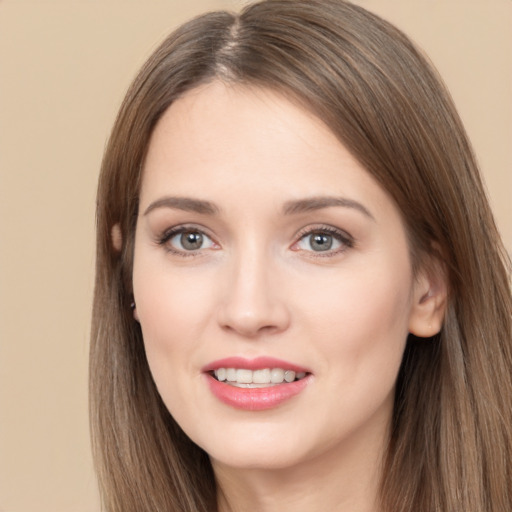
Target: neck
{"type": "Point", "coordinates": [344, 479]}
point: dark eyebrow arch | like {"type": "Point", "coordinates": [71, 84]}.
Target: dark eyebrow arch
{"type": "Point", "coordinates": [318, 203]}
{"type": "Point", "coordinates": [184, 203]}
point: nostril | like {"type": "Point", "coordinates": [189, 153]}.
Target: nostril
{"type": "Point", "coordinates": [251, 330]}
{"type": "Point", "coordinates": [252, 304]}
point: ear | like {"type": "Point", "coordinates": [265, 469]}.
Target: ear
{"type": "Point", "coordinates": [135, 314]}
{"type": "Point", "coordinates": [116, 237]}
{"type": "Point", "coordinates": [429, 300]}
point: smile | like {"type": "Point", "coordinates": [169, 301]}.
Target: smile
{"type": "Point", "coordinates": [255, 384]}
{"type": "Point", "coordinates": [266, 377]}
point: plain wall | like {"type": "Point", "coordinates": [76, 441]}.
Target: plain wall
{"type": "Point", "coordinates": [64, 67]}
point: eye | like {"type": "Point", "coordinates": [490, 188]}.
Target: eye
{"type": "Point", "coordinates": [324, 240]}
{"type": "Point", "coordinates": [182, 240]}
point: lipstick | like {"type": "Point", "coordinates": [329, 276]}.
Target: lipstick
{"type": "Point", "coordinates": [255, 384]}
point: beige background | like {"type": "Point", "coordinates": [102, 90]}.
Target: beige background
{"type": "Point", "coordinates": [64, 66]}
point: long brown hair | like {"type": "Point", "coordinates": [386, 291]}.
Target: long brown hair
{"type": "Point", "coordinates": [451, 442]}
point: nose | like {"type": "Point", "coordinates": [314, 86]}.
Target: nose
{"type": "Point", "coordinates": [254, 301]}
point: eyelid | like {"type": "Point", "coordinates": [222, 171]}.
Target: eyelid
{"type": "Point", "coordinates": [168, 234]}
{"type": "Point", "coordinates": [346, 240]}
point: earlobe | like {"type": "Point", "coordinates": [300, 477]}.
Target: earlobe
{"type": "Point", "coordinates": [134, 310]}
{"type": "Point", "coordinates": [116, 237]}
{"type": "Point", "coordinates": [429, 303]}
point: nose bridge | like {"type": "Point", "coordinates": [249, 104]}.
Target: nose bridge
{"type": "Point", "coordinates": [253, 301]}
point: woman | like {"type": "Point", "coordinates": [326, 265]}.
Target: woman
{"type": "Point", "coordinates": [301, 300]}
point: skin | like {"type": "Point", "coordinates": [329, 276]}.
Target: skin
{"type": "Point", "coordinates": [256, 287]}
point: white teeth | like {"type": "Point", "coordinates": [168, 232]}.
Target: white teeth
{"type": "Point", "coordinates": [231, 374]}
{"type": "Point", "coordinates": [244, 376]}
{"type": "Point", "coordinates": [261, 376]}
{"type": "Point", "coordinates": [258, 378]}
{"type": "Point", "coordinates": [289, 376]}
{"type": "Point", "coordinates": [276, 375]}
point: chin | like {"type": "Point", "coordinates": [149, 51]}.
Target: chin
{"type": "Point", "coordinates": [259, 448]}
{"type": "Point", "coordinates": [247, 446]}
{"type": "Point", "coordinates": [250, 459]}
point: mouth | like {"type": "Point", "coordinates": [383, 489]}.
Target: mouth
{"type": "Point", "coordinates": [256, 384]}
{"type": "Point", "coordinates": [261, 378]}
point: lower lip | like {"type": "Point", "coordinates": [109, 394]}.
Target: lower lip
{"type": "Point", "coordinates": [256, 399]}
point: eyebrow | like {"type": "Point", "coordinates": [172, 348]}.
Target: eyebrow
{"type": "Point", "coordinates": [290, 207]}
{"type": "Point", "coordinates": [184, 203]}
{"type": "Point", "coordinates": [320, 202]}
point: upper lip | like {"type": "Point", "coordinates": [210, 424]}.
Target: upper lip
{"type": "Point", "coordinates": [257, 363]}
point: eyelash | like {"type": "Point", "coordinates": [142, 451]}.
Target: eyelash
{"type": "Point", "coordinates": [346, 240]}
{"type": "Point", "coordinates": [178, 230]}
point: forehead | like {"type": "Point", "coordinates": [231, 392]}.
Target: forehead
{"type": "Point", "coordinates": [218, 118]}
{"type": "Point", "coordinates": [234, 142]}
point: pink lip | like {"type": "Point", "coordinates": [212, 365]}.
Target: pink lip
{"type": "Point", "coordinates": [255, 399]}
{"type": "Point", "coordinates": [258, 363]}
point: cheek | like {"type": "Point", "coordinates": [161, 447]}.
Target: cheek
{"type": "Point", "coordinates": [172, 311]}
{"type": "Point", "coordinates": [360, 331]}
{"type": "Point", "coordinates": [361, 319]}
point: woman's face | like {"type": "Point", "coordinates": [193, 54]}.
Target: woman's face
{"type": "Point", "coordinates": [265, 254]}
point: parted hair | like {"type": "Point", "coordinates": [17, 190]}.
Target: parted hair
{"type": "Point", "coordinates": [450, 447]}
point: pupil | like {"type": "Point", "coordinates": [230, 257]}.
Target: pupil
{"type": "Point", "coordinates": [191, 240]}
{"type": "Point", "coordinates": [321, 242]}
